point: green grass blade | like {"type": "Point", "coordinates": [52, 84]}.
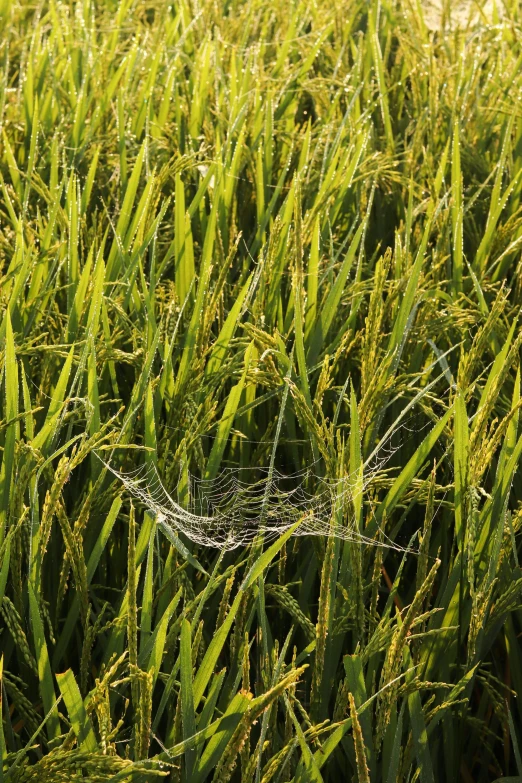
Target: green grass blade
{"type": "Point", "coordinates": [10, 414]}
{"type": "Point", "coordinates": [328, 310]}
{"type": "Point", "coordinates": [44, 666]}
{"type": "Point", "coordinates": [461, 465]}
{"type": "Point", "coordinates": [226, 422]}
{"type": "Point", "coordinates": [80, 721]}
{"type": "Point", "coordinates": [187, 696]}
{"type": "Point", "coordinates": [457, 209]}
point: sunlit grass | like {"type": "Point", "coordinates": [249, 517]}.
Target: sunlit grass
{"type": "Point", "coordinates": [283, 238]}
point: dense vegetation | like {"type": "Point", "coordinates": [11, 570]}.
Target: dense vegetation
{"type": "Point", "coordinates": [239, 234]}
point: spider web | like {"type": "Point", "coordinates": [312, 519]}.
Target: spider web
{"type": "Point", "coordinates": [237, 506]}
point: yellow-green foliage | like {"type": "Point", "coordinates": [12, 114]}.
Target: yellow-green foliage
{"type": "Point", "coordinates": [278, 237]}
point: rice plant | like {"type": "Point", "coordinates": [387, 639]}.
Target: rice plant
{"type": "Point", "coordinates": [260, 288]}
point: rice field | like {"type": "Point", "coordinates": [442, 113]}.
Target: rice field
{"type": "Point", "coordinates": [260, 289]}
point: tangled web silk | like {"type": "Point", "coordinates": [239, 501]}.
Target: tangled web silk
{"type": "Point", "coordinates": [230, 511]}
